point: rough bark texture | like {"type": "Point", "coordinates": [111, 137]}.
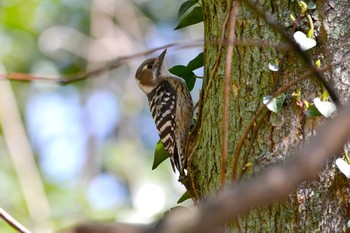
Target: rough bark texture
{"type": "Point", "coordinates": [322, 206]}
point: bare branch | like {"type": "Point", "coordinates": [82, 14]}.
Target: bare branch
{"type": "Point", "coordinates": [114, 63]}
{"type": "Point", "coordinates": [225, 119]}
{"type": "Point", "coordinates": [23, 158]}
{"type": "Point", "coordinates": [267, 188]}
{"type": "Point", "coordinates": [109, 228]}
{"type": "Point", "coordinates": [119, 61]}
{"type": "Point", "coordinates": [13, 222]}
{"type": "Point", "coordinates": [272, 186]}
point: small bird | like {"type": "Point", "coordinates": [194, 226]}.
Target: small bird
{"type": "Point", "coordinates": [171, 107]}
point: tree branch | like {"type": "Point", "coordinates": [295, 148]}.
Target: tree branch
{"type": "Point", "coordinates": [13, 222]}
{"type": "Point", "coordinates": [109, 228]}
{"type": "Point", "coordinates": [114, 63]}
{"type": "Point", "coordinates": [228, 66]}
{"type": "Point", "coordinates": [267, 188]}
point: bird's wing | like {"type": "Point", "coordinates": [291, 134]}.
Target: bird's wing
{"type": "Point", "coordinates": [163, 108]}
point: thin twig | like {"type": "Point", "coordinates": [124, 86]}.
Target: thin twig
{"type": "Point", "coordinates": [115, 63]}
{"type": "Point", "coordinates": [218, 56]}
{"type": "Point", "coordinates": [228, 66]}
{"type": "Point", "coordinates": [23, 158]}
{"type": "Point", "coordinates": [13, 222]}
{"type": "Point", "coordinates": [251, 140]}
{"type": "Point", "coordinates": [225, 119]}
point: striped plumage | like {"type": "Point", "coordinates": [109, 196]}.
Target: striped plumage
{"type": "Point", "coordinates": [171, 107]}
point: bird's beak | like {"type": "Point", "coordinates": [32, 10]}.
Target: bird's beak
{"type": "Point", "coordinates": [159, 61]}
{"type": "Point", "coordinates": [161, 57]}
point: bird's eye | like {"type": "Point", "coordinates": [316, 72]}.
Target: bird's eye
{"type": "Point", "coordinates": [149, 66]}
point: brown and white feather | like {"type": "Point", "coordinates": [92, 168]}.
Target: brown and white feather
{"type": "Point", "coordinates": [171, 107]}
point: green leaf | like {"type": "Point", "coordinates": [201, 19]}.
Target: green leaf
{"type": "Point", "coordinates": [185, 6]}
{"type": "Point", "coordinates": [186, 72]}
{"type": "Point", "coordinates": [311, 6]}
{"type": "Point", "coordinates": [279, 101]}
{"type": "Point", "coordinates": [184, 197]}
{"type": "Point", "coordinates": [312, 111]}
{"type": "Point", "coordinates": [303, 6]}
{"type": "Point", "coordinates": [318, 63]}
{"type": "Point", "coordinates": [190, 80]}
{"type": "Point", "coordinates": [325, 96]}
{"type": "Point", "coordinates": [196, 62]}
{"type": "Point", "coordinates": [194, 17]}
{"type": "Point", "coordinates": [275, 104]}
{"type": "Point", "coordinates": [183, 72]}
{"type": "Point", "coordinates": [178, 70]}
{"type": "Point", "coordinates": [273, 66]}
{"type": "Point", "coordinates": [326, 108]}
{"type": "Point", "coordinates": [160, 154]}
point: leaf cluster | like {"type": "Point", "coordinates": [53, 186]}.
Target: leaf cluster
{"type": "Point", "coordinates": [193, 17]}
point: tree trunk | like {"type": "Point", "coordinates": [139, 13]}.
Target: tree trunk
{"type": "Point", "coordinates": [315, 206]}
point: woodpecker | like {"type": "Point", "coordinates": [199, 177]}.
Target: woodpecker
{"type": "Point", "coordinates": [171, 107]}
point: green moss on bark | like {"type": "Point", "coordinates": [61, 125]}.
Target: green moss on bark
{"type": "Point", "coordinates": [273, 136]}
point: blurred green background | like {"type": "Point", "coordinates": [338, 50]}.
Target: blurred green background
{"type": "Point", "coordinates": [83, 152]}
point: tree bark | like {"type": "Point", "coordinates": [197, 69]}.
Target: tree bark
{"type": "Point", "coordinates": [315, 206]}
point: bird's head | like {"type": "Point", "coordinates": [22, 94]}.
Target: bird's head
{"type": "Point", "coordinates": [149, 72]}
